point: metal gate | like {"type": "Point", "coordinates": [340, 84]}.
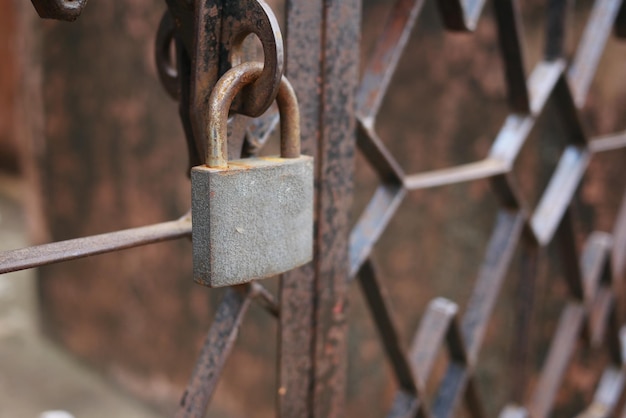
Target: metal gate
{"type": "Point", "coordinates": [339, 114]}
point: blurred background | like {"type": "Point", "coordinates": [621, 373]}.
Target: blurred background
{"type": "Point", "coordinates": [90, 142]}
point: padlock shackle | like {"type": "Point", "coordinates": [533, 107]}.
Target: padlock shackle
{"type": "Point", "coordinates": [223, 94]}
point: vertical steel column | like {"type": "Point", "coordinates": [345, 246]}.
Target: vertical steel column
{"type": "Point", "coordinates": [322, 63]}
{"type": "Point", "coordinates": [297, 293]}
{"type": "Point", "coordinates": [340, 74]}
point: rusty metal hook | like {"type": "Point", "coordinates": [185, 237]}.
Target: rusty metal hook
{"type": "Point", "coordinates": [207, 34]}
{"type": "Point", "coordinates": [166, 69]}
{"type": "Point", "coordinates": [224, 26]}
{"type": "Point", "coordinates": [221, 28]}
{"type": "Point", "coordinates": [256, 17]}
{"type": "Point", "coordinates": [67, 10]}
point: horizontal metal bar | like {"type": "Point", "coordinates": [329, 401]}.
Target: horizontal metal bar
{"type": "Point", "coordinates": [608, 143]}
{"type": "Point", "coordinates": [465, 172]}
{"type": "Point", "coordinates": [56, 252]}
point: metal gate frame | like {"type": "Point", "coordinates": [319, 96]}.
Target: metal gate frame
{"type": "Point", "coordinates": [338, 116]}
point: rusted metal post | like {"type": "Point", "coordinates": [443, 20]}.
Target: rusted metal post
{"type": "Point", "coordinates": [297, 292]}
{"type": "Point", "coordinates": [322, 62]}
{"type": "Point", "coordinates": [339, 77]}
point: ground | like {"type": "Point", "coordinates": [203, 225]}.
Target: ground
{"type": "Point", "coordinates": [37, 377]}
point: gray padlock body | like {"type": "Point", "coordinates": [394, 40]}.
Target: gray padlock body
{"type": "Point", "coordinates": [251, 220]}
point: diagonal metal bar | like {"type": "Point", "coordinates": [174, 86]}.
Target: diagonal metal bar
{"type": "Point", "coordinates": [615, 336]}
{"type": "Point", "coordinates": [438, 326]}
{"type": "Point", "coordinates": [375, 295]}
{"type": "Point", "coordinates": [590, 48]}
{"type": "Point", "coordinates": [56, 252]}
{"type": "Point", "coordinates": [460, 15]}
{"type": "Point", "coordinates": [500, 250]}
{"type": "Point", "coordinates": [607, 394]}
{"type": "Point", "coordinates": [542, 82]}
{"type": "Point", "coordinates": [516, 128]}
{"type": "Point", "coordinates": [595, 260]}
{"type": "Point", "coordinates": [215, 351]}
{"type": "Point", "coordinates": [406, 405]}
{"type": "Point", "coordinates": [510, 37]}
{"type": "Point", "coordinates": [450, 390]}
{"type": "Point", "coordinates": [506, 188]}
{"type": "Point", "coordinates": [618, 258]}
{"type": "Point", "coordinates": [620, 22]}
{"type": "Point", "coordinates": [555, 200]}
{"type": "Point", "coordinates": [474, 403]}
{"type": "Point", "coordinates": [372, 224]}
{"type": "Point", "coordinates": [265, 299]}
{"type": "Point", "coordinates": [511, 138]}
{"type": "Point", "coordinates": [524, 303]}
{"type": "Point", "coordinates": [454, 385]}
{"type": "Point", "coordinates": [379, 157]}
{"type": "Point", "coordinates": [569, 113]}
{"type": "Point", "coordinates": [569, 254]}
{"type": "Point", "coordinates": [561, 350]}
{"type": "Point", "coordinates": [384, 60]}
{"type": "Point", "coordinates": [619, 241]}
{"type": "Point", "coordinates": [558, 12]}
{"type": "Point", "coordinates": [600, 311]}
{"type": "Point", "coordinates": [457, 384]}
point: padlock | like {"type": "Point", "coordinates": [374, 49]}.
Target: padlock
{"type": "Point", "coordinates": [252, 218]}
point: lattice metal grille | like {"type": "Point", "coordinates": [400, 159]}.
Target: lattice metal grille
{"type": "Point", "coordinates": [593, 276]}
{"type": "Point", "coordinates": [312, 365]}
